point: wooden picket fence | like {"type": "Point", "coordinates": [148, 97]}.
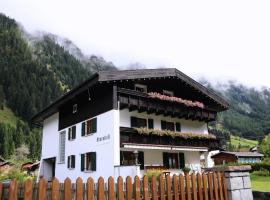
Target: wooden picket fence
{"type": "Point", "coordinates": [210, 186]}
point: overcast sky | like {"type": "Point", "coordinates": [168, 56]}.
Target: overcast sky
{"type": "Point", "coordinates": [217, 39]}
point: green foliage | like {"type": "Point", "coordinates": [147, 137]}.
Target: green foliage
{"type": "Point", "coordinates": [261, 173]}
{"type": "Point", "coordinates": [265, 146]}
{"type": "Point", "coordinates": [260, 183]}
{"type": "Point", "coordinates": [153, 172]}
{"type": "Point", "coordinates": [35, 71]}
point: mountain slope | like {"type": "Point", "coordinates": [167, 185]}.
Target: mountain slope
{"type": "Point", "coordinates": [34, 72]}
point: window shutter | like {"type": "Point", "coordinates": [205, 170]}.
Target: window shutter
{"type": "Point", "coordinates": [82, 162]}
{"type": "Point", "coordinates": [94, 125]}
{"type": "Point", "coordinates": [83, 129]}
{"type": "Point", "coordinates": [166, 160]}
{"type": "Point", "coordinates": [68, 162]}
{"type": "Point", "coordinates": [163, 125]}
{"type": "Point", "coordinates": [182, 160]}
{"type": "Point", "coordinates": [150, 123]}
{"type": "Point", "coordinates": [177, 127]}
{"type": "Point", "coordinates": [73, 132]}
{"type": "Point", "coordinates": [69, 130]}
{"type": "Point", "coordinates": [133, 121]}
{"type": "Point", "coordinates": [73, 161]}
{"type": "Point", "coordinates": [141, 159]}
{"type": "Point", "coordinates": [121, 157]}
{"type": "Point", "coordinates": [93, 161]}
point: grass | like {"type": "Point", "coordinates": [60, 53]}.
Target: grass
{"type": "Point", "coordinates": [260, 183]}
{"type": "Point", "coordinates": [8, 117]}
{"type": "Point", "coordinates": [244, 143]}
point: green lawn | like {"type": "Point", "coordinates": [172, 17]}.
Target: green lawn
{"type": "Point", "coordinates": [7, 116]}
{"type": "Point", "coordinates": [260, 183]}
{"type": "Point", "coordinates": [235, 141]}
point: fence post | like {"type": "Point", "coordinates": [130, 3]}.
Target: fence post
{"type": "Point", "coordinates": [199, 179]}
{"type": "Point", "coordinates": [169, 187]}
{"type": "Point", "coordinates": [161, 188]}
{"type": "Point", "coordinates": [215, 184]}
{"type": "Point", "coordinates": [42, 189]}
{"type": "Point", "coordinates": [154, 188]}
{"type": "Point", "coordinates": [55, 189]}
{"type": "Point", "coordinates": [90, 189]}
{"type": "Point", "coordinates": [175, 187]}
{"type": "Point", "coordinates": [12, 192]}
{"type": "Point", "coordinates": [100, 188]}
{"type": "Point", "coordinates": [120, 192]}
{"type": "Point", "coordinates": [129, 188]}
{"type": "Point", "coordinates": [194, 186]}
{"type": "Point", "coordinates": [79, 189]}
{"type": "Point", "coordinates": [67, 189]}
{"type": "Point", "coordinates": [188, 186]}
{"type": "Point", "coordinates": [111, 188]}
{"type": "Point", "coordinates": [220, 185]}
{"type": "Point", "coordinates": [28, 190]}
{"type": "Point", "coordinates": [182, 187]}
{"type": "Point", "coordinates": [210, 186]}
{"type": "Point", "coordinates": [137, 188]}
{"type": "Point", "coordinates": [145, 188]}
{"type": "Point", "coordinates": [205, 188]}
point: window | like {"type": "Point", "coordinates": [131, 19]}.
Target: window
{"type": "Point", "coordinates": [62, 138]}
{"type": "Point", "coordinates": [88, 161]}
{"type": "Point", "coordinates": [72, 133]}
{"type": "Point", "coordinates": [137, 122]}
{"type": "Point", "coordinates": [89, 127]}
{"type": "Point", "coordinates": [75, 106]}
{"type": "Point", "coordinates": [128, 158]}
{"type": "Point", "coordinates": [168, 93]}
{"type": "Point", "coordinates": [171, 126]}
{"type": "Point", "coordinates": [71, 162]}
{"type": "Point", "coordinates": [141, 88]}
{"type": "Point", "coordinates": [173, 160]}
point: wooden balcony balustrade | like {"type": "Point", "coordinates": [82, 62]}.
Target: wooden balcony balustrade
{"type": "Point", "coordinates": [134, 100]}
{"type": "Point", "coordinates": [130, 136]}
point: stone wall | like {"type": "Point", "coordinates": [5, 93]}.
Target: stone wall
{"type": "Point", "coordinates": [238, 181]}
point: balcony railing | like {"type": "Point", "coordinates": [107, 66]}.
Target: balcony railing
{"type": "Point", "coordinates": [131, 136]}
{"type": "Point", "coordinates": [134, 100]}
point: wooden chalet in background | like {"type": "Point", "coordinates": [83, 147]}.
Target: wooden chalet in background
{"type": "Point", "coordinates": [126, 122]}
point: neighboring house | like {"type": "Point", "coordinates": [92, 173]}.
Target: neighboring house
{"type": "Point", "coordinates": [239, 157]}
{"type": "Point", "coordinates": [31, 168]}
{"type": "Point", "coordinates": [4, 165]}
{"type": "Point", "coordinates": [125, 122]}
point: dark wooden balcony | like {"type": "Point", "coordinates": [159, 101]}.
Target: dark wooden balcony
{"type": "Point", "coordinates": [131, 136]}
{"type": "Point", "coordinates": [134, 100]}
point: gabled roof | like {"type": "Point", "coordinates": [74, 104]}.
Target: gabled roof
{"type": "Point", "coordinates": [140, 74]}
{"type": "Point", "coordinates": [239, 154]}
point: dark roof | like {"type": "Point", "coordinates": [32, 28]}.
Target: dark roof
{"type": "Point", "coordinates": [108, 76]}
{"type": "Point", "coordinates": [239, 154]}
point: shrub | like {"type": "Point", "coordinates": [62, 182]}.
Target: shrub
{"type": "Point", "coordinates": [261, 173]}
{"type": "Point", "coordinates": [153, 172]}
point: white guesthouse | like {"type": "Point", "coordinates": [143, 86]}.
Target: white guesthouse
{"type": "Point", "coordinates": [126, 122]}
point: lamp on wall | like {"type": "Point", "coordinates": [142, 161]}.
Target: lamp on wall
{"type": "Point", "coordinates": [136, 153]}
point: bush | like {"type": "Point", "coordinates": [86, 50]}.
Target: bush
{"type": "Point", "coordinates": [261, 173]}
{"type": "Point", "coordinates": [153, 172]}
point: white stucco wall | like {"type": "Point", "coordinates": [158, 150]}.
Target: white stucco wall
{"type": "Point", "coordinates": [106, 156]}
{"type": "Point", "coordinates": [187, 126]}
{"type": "Point", "coordinates": [50, 137]}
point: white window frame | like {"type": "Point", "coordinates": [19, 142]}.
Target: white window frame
{"type": "Point", "coordinates": [75, 108]}
{"type": "Point", "coordinates": [168, 93]}
{"type": "Point", "coordinates": [141, 86]}
{"type": "Point", "coordinates": [70, 161]}
{"type": "Point", "coordinates": [62, 147]}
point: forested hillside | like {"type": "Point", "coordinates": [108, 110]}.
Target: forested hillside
{"type": "Point", "coordinates": [249, 113]}
{"type": "Point", "coordinates": [34, 72]}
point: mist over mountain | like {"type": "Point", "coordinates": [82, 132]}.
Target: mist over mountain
{"type": "Point", "coordinates": [38, 68]}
